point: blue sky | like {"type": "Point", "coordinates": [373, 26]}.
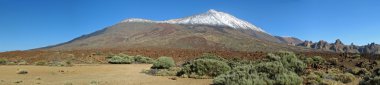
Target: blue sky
{"type": "Point", "coordinates": [27, 24]}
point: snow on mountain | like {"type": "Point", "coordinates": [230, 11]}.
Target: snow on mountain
{"type": "Point", "coordinates": [212, 17]}
{"type": "Point", "coordinates": [137, 20]}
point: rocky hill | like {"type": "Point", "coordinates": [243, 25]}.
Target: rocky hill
{"type": "Point", "coordinates": [339, 47]}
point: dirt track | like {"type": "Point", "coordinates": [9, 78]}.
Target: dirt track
{"type": "Point", "coordinates": [85, 74]}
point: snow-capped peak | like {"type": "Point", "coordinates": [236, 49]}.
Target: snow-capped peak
{"type": "Point", "coordinates": [211, 17]}
{"type": "Point", "coordinates": [137, 20]}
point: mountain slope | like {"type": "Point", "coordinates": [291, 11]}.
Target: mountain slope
{"type": "Point", "coordinates": [289, 40]}
{"type": "Point", "coordinates": [212, 30]}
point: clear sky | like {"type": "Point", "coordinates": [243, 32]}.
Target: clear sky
{"type": "Point", "coordinates": [27, 24]}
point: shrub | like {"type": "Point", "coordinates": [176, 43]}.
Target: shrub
{"type": "Point", "coordinates": [163, 63]}
{"type": "Point", "coordinates": [239, 62]}
{"type": "Point", "coordinates": [211, 56]}
{"type": "Point", "coordinates": [40, 63]}
{"type": "Point", "coordinates": [266, 73]}
{"type": "Point", "coordinates": [356, 56]}
{"type": "Point", "coordinates": [359, 71]}
{"type": "Point", "coordinates": [313, 79]}
{"type": "Point", "coordinates": [61, 63]}
{"type": "Point", "coordinates": [22, 62]}
{"type": "Point", "coordinates": [143, 59]}
{"type": "Point", "coordinates": [172, 71]}
{"type": "Point", "coordinates": [116, 59]}
{"type": "Point", "coordinates": [205, 67]}
{"type": "Point", "coordinates": [3, 61]}
{"type": "Point", "coordinates": [289, 61]}
{"type": "Point", "coordinates": [331, 82]}
{"type": "Point", "coordinates": [333, 61]}
{"type": "Point", "coordinates": [373, 79]}
{"type": "Point", "coordinates": [22, 71]}
{"type": "Point", "coordinates": [278, 69]}
{"type": "Point", "coordinates": [11, 63]}
{"type": "Point", "coordinates": [315, 61]}
{"type": "Point", "coordinates": [344, 78]}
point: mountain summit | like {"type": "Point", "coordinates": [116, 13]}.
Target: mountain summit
{"type": "Point", "coordinates": [211, 17]}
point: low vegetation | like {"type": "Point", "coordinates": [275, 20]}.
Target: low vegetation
{"type": "Point", "coordinates": [281, 68]}
{"type": "Point", "coordinates": [172, 71]}
{"type": "Point", "coordinates": [40, 63]}
{"type": "Point", "coordinates": [143, 59]}
{"type": "Point", "coordinates": [277, 69]}
{"type": "Point", "coordinates": [206, 66]}
{"type": "Point", "coordinates": [163, 63]}
{"type": "Point", "coordinates": [3, 61]}
{"type": "Point", "coordinates": [22, 71]}
{"type": "Point", "coordinates": [373, 79]}
{"type": "Point", "coordinates": [163, 66]}
{"type": "Point", "coordinates": [126, 59]}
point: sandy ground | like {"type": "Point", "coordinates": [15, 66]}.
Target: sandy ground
{"type": "Point", "coordinates": [89, 75]}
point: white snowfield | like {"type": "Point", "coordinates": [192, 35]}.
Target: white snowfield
{"type": "Point", "coordinates": [212, 17]}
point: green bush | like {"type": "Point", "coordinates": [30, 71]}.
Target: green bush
{"type": "Point", "coordinates": [22, 71]}
{"type": "Point", "coordinates": [356, 56]}
{"type": "Point", "coordinates": [11, 63]}
{"type": "Point", "coordinates": [143, 59]}
{"type": "Point", "coordinates": [359, 71]}
{"type": "Point", "coordinates": [22, 62]}
{"type": "Point", "coordinates": [60, 63]}
{"type": "Point", "coordinates": [265, 73]}
{"type": "Point", "coordinates": [172, 71]}
{"type": "Point", "coordinates": [3, 61]}
{"type": "Point", "coordinates": [370, 81]}
{"type": "Point", "coordinates": [315, 61]}
{"type": "Point", "coordinates": [163, 63]}
{"type": "Point", "coordinates": [211, 56]}
{"type": "Point", "coordinates": [40, 63]}
{"type": "Point", "coordinates": [333, 61]}
{"type": "Point", "coordinates": [289, 61]}
{"type": "Point", "coordinates": [205, 67]}
{"type": "Point", "coordinates": [117, 59]}
{"type": "Point", "coordinates": [239, 62]}
{"type": "Point", "coordinates": [278, 69]}
{"type": "Point", "coordinates": [313, 79]}
{"type": "Point", "coordinates": [344, 78]}
{"type": "Point", "coordinates": [373, 79]}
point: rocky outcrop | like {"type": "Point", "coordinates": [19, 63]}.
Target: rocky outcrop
{"type": "Point", "coordinates": [370, 49]}
{"type": "Point", "coordinates": [339, 47]}
{"type": "Point", "coordinates": [306, 44]}
{"type": "Point", "coordinates": [321, 45]}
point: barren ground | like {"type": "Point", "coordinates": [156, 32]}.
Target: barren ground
{"type": "Point", "coordinates": [84, 74]}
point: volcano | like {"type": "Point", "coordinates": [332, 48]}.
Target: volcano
{"type": "Point", "coordinates": [212, 30]}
